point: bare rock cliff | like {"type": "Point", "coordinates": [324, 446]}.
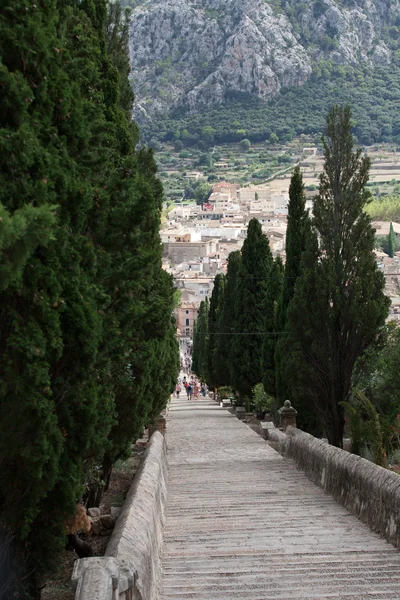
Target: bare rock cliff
{"type": "Point", "coordinates": [196, 53]}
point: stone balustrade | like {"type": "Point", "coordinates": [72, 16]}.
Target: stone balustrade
{"type": "Point", "coordinates": [367, 490]}
{"type": "Point", "coordinates": [104, 578]}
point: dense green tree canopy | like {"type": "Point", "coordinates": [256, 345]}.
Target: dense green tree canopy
{"type": "Point", "coordinates": [378, 374]}
{"type": "Point", "coordinates": [373, 91]}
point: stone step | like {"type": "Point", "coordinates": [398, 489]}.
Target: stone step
{"type": "Point", "coordinates": [243, 522]}
{"type": "Point", "coordinates": [280, 564]}
{"type": "Point", "coordinates": [275, 595]}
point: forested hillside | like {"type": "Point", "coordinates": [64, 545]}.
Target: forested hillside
{"type": "Point", "coordinates": [88, 354]}
{"type": "Point", "coordinates": [261, 67]}
{"type": "Point", "coordinates": [373, 93]}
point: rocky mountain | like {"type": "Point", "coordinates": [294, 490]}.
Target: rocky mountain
{"type": "Point", "coordinates": [196, 53]}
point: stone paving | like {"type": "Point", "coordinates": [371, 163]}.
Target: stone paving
{"type": "Point", "coordinates": [243, 522]}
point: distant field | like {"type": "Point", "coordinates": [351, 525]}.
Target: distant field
{"type": "Point", "coordinates": [261, 165]}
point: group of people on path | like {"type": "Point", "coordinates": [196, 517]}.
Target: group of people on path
{"type": "Point", "coordinates": [192, 387]}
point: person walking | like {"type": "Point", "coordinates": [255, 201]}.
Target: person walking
{"type": "Point", "coordinates": [189, 391]}
{"type": "Point", "coordinates": [177, 390]}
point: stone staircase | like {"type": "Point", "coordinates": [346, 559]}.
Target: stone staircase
{"type": "Point", "coordinates": [243, 522]}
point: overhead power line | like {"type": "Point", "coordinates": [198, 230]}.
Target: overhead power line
{"type": "Point", "coordinates": [243, 333]}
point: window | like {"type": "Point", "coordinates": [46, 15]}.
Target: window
{"type": "Point", "coordinates": [187, 312]}
{"type": "Point", "coordinates": [187, 322]}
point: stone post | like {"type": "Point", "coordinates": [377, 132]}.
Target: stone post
{"type": "Point", "coordinates": [288, 415]}
{"type": "Point", "coordinates": [104, 578]}
{"type": "Point", "coordinates": [160, 425]}
{"type": "Point", "coordinates": [96, 579]}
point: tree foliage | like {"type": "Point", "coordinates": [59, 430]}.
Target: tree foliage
{"type": "Point", "coordinates": [249, 323]}
{"type": "Point", "coordinates": [214, 327]}
{"type": "Point", "coordinates": [378, 375]}
{"type": "Point", "coordinates": [391, 241]}
{"type": "Point", "coordinates": [373, 91]}
{"type": "Point", "coordinates": [365, 427]}
{"type": "Point", "coordinates": [221, 357]}
{"type": "Point", "coordinates": [87, 339]}
{"type": "Point", "coordinates": [274, 291]}
{"type": "Point", "coordinates": [295, 246]}
{"type": "Point", "coordinates": [200, 362]}
{"type": "Point", "coordinates": [385, 209]}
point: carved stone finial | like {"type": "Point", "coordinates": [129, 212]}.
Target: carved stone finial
{"type": "Point", "coordinates": [288, 415]}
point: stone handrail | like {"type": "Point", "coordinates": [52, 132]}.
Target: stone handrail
{"type": "Point", "coordinates": [131, 568]}
{"type": "Point", "coordinates": [104, 578]}
{"type": "Point", "coordinates": [367, 490]}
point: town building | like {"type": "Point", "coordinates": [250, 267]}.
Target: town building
{"type": "Point", "coordinates": [199, 287]}
{"type": "Point", "coordinates": [186, 315]}
{"type": "Point", "coordinates": [183, 252]}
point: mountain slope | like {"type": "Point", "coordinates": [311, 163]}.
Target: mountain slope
{"type": "Point", "coordinates": [192, 54]}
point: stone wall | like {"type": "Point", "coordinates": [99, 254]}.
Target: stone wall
{"type": "Point", "coordinates": [131, 567]}
{"type": "Point", "coordinates": [370, 492]}
{"type": "Point", "coordinates": [138, 534]}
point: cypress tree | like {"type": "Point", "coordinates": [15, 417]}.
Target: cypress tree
{"type": "Point", "coordinates": [339, 304]}
{"type": "Point", "coordinates": [274, 290]}
{"type": "Point", "coordinates": [200, 342]}
{"type": "Point", "coordinates": [295, 245]}
{"type": "Point", "coordinates": [214, 318]}
{"type": "Point", "coordinates": [226, 325]}
{"type": "Point", "coordinates": [54, 418]}
{"type": "Point", "coordinates": [85, 307]}
{"type": "Point", "coordinates": [196, 345]}
{"type": "Point", "coordinates": [20, 235]}
{"type": "Point", "coordinates": [249, 322]}
{"type": "Point", "coordinates": [391, 242]}
{"type": "Point", "coordinates": [141, 297]}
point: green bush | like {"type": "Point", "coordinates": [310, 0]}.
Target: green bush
{"type": "Point", "coordinates": [261, 400]}
{"type": "Point", "coordinates": [225, 392]}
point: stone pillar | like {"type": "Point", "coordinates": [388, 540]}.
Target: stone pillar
{"type": "Point", "coordinates": [96, 579]}
{"type": "Point", "coordinates": [104, 578]}
{"type": "Point", "coordinates": [160, 425]}
{"type": "Point", "coordinates": [288, 415]}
